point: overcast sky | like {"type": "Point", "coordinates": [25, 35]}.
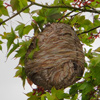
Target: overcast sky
{"type": "Point", "coordinates": [10, 87]}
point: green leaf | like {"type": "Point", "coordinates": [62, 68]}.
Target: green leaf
{"type": "Point", "coordinates": [0, 13]}
{"type": "Point", "coordinates": [20, 29]}
{"type": "Point", "coordinates": [15, 5]}
{"type": "Point", "coordinates": [4, 35]}
{"type": "Point", "coordinates": [18, 73]}
{"type": "Point", "coordinates": [56, 2]}
{"type": "Point", "coordinates": [85, 97]}
{"type": "Point", "coordinates": [15, 46]}
{"type": "Point", "coordinates": [95, 60]}
{"type": "Point", "coordinates": [10, 37]}
{"type": "Point", "coordinates": [25, 44]}
{"type": "Point", "coordinates": [21, 52]}
{"type": "Point", "coordinates": [0, 47]}
{"type": "Point", "coordinates": [29, 94]}
{"type": "Point", "coordinates": [23, 76]}
{"type": "Point", "coordinates": [1, 3]}
{"type": "Point", "coordinates": [67, 2]}
{"type": "Point", "coordinates": [23, 3]}
{"type": "Point", "coordinates": [40, 20]}
{"type": "Point", "coordinates": [22, 60]}
{"type": "Point", "coordinates": [89, 54]}
{"type": "Point", "coordinates": [32, 0]}
{"type": "Point", "coordinates": [74, 97]}
{"type": "Point", "coordinates": [34, 97]}
{"type": "Point", "coordinates": [84, 39]}
{"type": "Point", "coordinates": [1, 20]}
{"type": "Point", "coordinates": [73, 90]}
{"type": "Point", "coordinates": [1, 42]}
{"type": "Point", "coordinates": [95, 72]}
{"type": "Point", "coordinates": [21, 73]}
{"type": "Point", "coordinates": [94, 4]}
{"type": "Point", "coordinates": [87, 24]}
{"type": "Point", "coordinates": [18, 5]}
{"type": "Point", "coordinates": [43, 97]}
{"type": "Point", "coordinates": [53, 14]}
{"type": "Point", "coordinates": [3, 11]}
{"type": "Point", "coordinates": [96, 17]}
{"type": "Point", "coordinates": [49, 97]}
{"type": "Point", "coordinates": [86, 87]}
{"type": "Point", "coordinates": [81, 19]}
{"type": "Point", "coordinates": [34, 50]}
{"type": "Point", "coordinates": [27, 29]}
{"type": "Point", "coordinates": [61, 95]}
{"type": "Point", "coordinates": [97, 50]}
{"type": "Point", "coordinates": [96, 22]}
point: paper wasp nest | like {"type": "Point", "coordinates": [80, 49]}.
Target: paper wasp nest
{"type": "Point", "coordinates": [60, 59]}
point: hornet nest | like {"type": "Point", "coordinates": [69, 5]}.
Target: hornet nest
{"type": "Point", "coordinates": [59, 62]}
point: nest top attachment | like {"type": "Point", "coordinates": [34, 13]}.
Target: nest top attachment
{"type": "Point", "coordinates": [59, 62]}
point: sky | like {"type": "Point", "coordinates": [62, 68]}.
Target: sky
{"type": "Point", "coordinates": [11, 87]}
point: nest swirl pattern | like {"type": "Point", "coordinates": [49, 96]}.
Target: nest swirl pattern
{"type": "Point", "coordinates": [60, 59]}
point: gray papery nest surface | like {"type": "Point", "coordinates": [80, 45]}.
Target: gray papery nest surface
{"type": "Point", "coordinates": [59, 62]}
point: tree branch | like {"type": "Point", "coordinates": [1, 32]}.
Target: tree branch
{"type": "Point", "coordinates": [68, 7]}
{"type": "Point", "coordinates": [16, 14]}
{"type": "Point", "coordinates": [47, 6]}
{"type": "Point", "coordinates": [89, 30]}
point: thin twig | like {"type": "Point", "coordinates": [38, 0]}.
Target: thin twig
{"type": "Point", "coordinates": [75, 14]}
{"type": "Point", "coordinates": [65, 15]}
{"type": "Point", "coordinates": [89, 30]}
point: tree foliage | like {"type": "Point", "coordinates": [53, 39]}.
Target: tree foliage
{"type": "Point", "coordinates": [71, 12]}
